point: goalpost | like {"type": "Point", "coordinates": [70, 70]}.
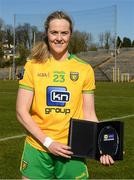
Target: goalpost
{"type": "Point", "coordinates": [125, 77]}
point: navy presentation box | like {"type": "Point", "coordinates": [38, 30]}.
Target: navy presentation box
{"type": "Point", "coordinates": [92, 139]}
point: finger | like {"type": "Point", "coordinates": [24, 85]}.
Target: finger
{"type": "Point", "coordinates": [103, 159]}
{"type": "Point", "coordinates": [64, 151]}
{"type": "Point", "coordinates": [64, 155]}
{"type": "Point", "coordinates": [111, 160]}
{"type": "Point", "coordinates": [66, 147]}
{"type": "Point", "coordinates": [107, 160]}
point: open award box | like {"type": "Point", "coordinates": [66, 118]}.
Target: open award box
{"type": "Point", "coordinates": [92, 139]}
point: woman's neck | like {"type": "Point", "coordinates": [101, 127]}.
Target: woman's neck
{"type": "Point", "coordinates": [60, 57]}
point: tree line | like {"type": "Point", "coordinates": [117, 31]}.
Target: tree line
{"type": "Point", "coordinates": [26, 36]}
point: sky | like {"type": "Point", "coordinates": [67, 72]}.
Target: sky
{"type": "Point", "coordinates": [125, 12]}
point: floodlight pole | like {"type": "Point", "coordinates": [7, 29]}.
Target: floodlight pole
{"type": "Point", "coordinates": [115, 46]}
{"type": "Point", "coordinates": [34, 38]}
{"type": "Point", "coordinates": [13, 71]}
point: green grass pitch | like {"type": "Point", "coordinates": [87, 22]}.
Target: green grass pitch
{"type": "Point", "coordinates": [111, 100]}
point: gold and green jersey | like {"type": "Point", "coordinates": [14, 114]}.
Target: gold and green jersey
{"type": "Point", "coordinates": [58, 87]}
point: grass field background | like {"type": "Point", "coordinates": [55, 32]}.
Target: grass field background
{"type": "Point", "coordinates": [112, 101]}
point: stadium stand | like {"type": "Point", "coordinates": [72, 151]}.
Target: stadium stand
{"type": "Point", "coordinates": [103, 63]}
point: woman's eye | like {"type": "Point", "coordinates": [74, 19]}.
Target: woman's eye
{"type": "Point", "coordinates": [54, 33]}
{"type": "Point", "coordinates": [64, 33]}
{"type": "Point", "coordinates": [59, 33]}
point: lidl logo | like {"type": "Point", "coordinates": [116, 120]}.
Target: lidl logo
{"type": "Point", "coordinates": [57, 96]}
{"type": "Point", "coordinates": [108, 137]}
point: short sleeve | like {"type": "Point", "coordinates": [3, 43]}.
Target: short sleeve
{"type": "Point", "coordinates": [89, 83]}
{"type": "Point", "coordinates": [27, 81]}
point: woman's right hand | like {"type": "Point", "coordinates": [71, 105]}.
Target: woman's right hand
{"type": "Point", "coordinates": [60, 149]}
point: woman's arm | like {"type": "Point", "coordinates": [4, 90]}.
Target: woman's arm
{"type": "Point", "coordinates": [23, 105]}
{"type": "Point", "coordinates": [89, 108]}
{"type": "Point", "coordinates": [89, 114]}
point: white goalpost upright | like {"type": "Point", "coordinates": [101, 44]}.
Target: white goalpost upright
{"type": "Point", "coordinates": [115, 46]}
{"type": "Point", "coordinates": [14, 46]}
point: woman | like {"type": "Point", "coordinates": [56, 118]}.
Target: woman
{"type": "Point", "coordinates": [58, 86]}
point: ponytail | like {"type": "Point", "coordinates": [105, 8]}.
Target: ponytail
{"type": "Point", "coordinates": [40, 52]}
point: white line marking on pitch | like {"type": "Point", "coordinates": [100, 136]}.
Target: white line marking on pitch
{"type": "Point", "coordinates": [3, 92]}
{"type": "Point", "coordinates": [22, 135]}
{"type": "Point", "coordinates": [117, 118]}
{"type": "Point", "coordinates": [115, 97]}
{"type": "Point", "coordinates": [12, 137]}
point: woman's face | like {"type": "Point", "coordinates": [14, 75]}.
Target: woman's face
{"type": "Point", "coordinates": [58, 36]}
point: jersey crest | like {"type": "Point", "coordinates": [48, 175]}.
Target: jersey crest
{"type": "Point", "coordinates": [74, 76]}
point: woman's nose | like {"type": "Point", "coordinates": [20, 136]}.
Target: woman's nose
{"type": "Point", "coordinates": [59, 37]}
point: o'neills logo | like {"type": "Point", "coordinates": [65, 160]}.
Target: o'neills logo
{"type": "Point", "coordinates": [24, 165]}
{"type": "Point", "coordinates": [74, 76]}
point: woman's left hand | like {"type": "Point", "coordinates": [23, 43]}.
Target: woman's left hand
{"type": "Point", "coordinates": [106, 160]}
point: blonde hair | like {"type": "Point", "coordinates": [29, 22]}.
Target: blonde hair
{"type": "Point", "coordinates": [58, 15]}
{"type": "Point", "coordinates": [40, 52]}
